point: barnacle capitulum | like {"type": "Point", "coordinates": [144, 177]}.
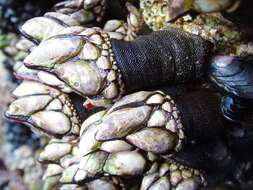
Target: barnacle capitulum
{"type": "Point", "coordinates": [85, 63]}
{"type": "Point", "coordinates": [68, 13]}
{"type": "Point", "coordinates": [121, 30]}
{"type": "Point", "coordinates": [47, 110]}
{"type": "Point", "coordinates": [171, 175]}
{"type": "Point", "coordinates": [55, 23]}
{"type": "Point", "coordinates": [138, 147]}
{"type": "Point", "coordinates": [158, 118]}
{"type": "Point", "coordinates": [53, 174]}
{"type": "Point", "coordinates": [96, 66]}
{"type": "Point", "coordinates": [85, 12]}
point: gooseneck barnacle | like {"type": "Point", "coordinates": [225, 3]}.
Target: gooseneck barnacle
{"type": "Point", "coordinates": [93, 65]}
{"type": "Point", "coordinates": [165, 140]}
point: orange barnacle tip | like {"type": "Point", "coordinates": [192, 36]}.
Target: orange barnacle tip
{"type": "Point", "coordinates": [88, 105]}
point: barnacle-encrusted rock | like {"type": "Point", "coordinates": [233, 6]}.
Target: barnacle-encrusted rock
{"type": "Point", "coordinates": [157, 13]}
{"type": "Point", "coordinates": [225, 35]}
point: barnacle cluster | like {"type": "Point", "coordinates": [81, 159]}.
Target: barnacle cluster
{"type": "Point", "coordinates": [99, 91]}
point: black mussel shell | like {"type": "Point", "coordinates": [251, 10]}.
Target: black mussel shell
{"type": "Point", "coordinates": [234, 75]}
